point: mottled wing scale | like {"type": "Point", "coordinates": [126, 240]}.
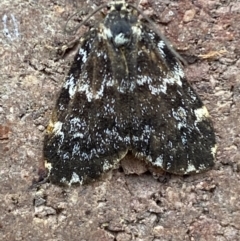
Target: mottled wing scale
{"type": "Point", "coordinates": [126, 91]}
{"type": "Point", "coordinates": [171, 127]}
{"type": "Point", "coordinates": [88, 134]}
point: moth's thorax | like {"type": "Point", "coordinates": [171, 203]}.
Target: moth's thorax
{"type": "Point", "coordinates": [120, 25]}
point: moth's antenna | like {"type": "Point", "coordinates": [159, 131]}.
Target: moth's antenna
{"type": "Point", "coordinates": [85, 20]}
{"type": "Point", "coordinates": [174, 52]}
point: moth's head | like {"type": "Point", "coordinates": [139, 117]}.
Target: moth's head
{"type": "Point", "coordinates": [119, 22]}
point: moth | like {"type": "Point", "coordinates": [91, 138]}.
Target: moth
{"type": "Point", "coordinates": [126, 93]}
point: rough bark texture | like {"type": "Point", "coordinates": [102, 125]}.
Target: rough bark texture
{"type": "Point", "coordinates": [119, 207]}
